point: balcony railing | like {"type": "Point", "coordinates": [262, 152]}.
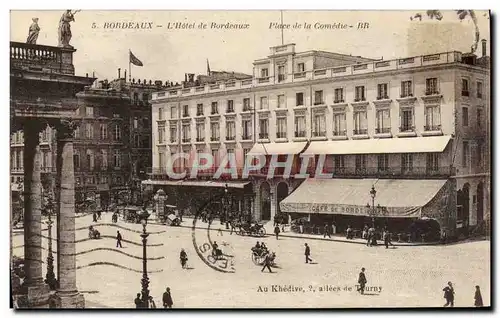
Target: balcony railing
{"type": "Point", "coordinates": [380, 97]}
{"type": "Point", "coordinates": [230, 138]}
{"type": "Point", "coordinates": [200, 139]}
{"type": "Point", "coordinates": [429, 92]}
{"type": "Point", "coordinates": [185, 114]}
{"type": "Point", "coordinates": [360, 131]}
{"type": "Point", "coordinates": [214, 111]}
{"type": "Point", "coordinates": [406, 95]}
{"type": "Point", "coordinates": [263, 135]}
{"type": "Point", "coordinates": [337, 101]}
{"type": "Point", "coordinates": [246, 137]}
{"type": "Point", "coordinates": [199, 113]}
{"type": "Point", "coordinates": [388, 172]}
{"type": "Point", "coordinates": [383, 130]}
{"type": "Point", "coordinates": [340, 132]}
{"type": "Point", "coordinates": [247, 108]}
{"type": "Point", "coordinates": [40, 57]}
{"type": "Point", "coordinates": [281, 77]}
{"type": "Point", "coordinates": [318, 102]}
{"type": "Point", "coordinates": [281, 134]}
{"type": "Point", "coordinates": [230, 110]}
{"type": "Point", "coordinates": [465, 93]}
{"type": "Point", "coordinates": [186, 140]}
{"type": "Point", "coordinates": [214, 138]}
{"type": "Point", "coordinates": [432, 128]}
{"type": "Point", "coordinates": [172, 140]}
{"type": "Point", "coordinates": [319, 133]}
{"type": "Point", "coordinates": [407, 129]}
{"type": "Point", "coordinates": [300, 134]}
{"type": "Point", "coordinates": [360, 99]}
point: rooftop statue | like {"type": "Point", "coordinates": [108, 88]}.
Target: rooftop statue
{"type": "Point", "coordinates": [33, 32]}
{"type": "Point", "coordinates": [65, 28]}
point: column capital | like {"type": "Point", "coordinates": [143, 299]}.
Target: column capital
{"type": "Point", "coordinates": [65, 128]}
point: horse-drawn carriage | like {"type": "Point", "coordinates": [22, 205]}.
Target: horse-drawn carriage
{"type": "Point", "coordinates": [251, 229]}
{"type": "Point", "coordinates": [172, 220]}
{"type": "Point", "coordinates": [259, 255]}
{"type": "Point", "coordinates": [131, 213]}
{"type": "Point", "coordinates": [93, 233]}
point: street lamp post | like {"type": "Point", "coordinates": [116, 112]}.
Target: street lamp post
{"type": "Point", "coordinates": [373, 194]}
{"type": "Point", "coordinates": [226, 205]}
{"type": "Point", "coordinates": [145, 279]}
{"type": "Point", "coordinates": [50, 277]}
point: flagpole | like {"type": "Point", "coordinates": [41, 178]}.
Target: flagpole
{"type": "Point", "coordinates": [129, 68]}
{"type": "Point", "coordinates": [282, 39]}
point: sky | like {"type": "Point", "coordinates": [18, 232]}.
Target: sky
{"type": "Point", "coordinates": [169, 54]}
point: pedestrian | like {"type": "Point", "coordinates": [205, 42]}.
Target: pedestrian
{"type": "Point", "coordinates": [94, 217]}
{"type": "Point", "coordinates": [184, 258]}
{"type": "Point", "coordinates": [267, 263]}
{"type": "Point", "coordinates": [307, 253]}
{"type": "Point", "coordinates": [99, 215]}
{"type": "Point", "coordinates": [167, 299]}
{"type": "Point", "coordinates": [349, 234]}
{"type": "Point", "coordinates": [233, 226]}
{"type": "Point", "coordinates": [277, 230]}
{"type": "Point", "coordinates": [118, 239]}
{"type": "Point", "coordinates": [364, 235]}
{"type": "Point", "coordinates": [301, 226]}
{"type": "Point", "coordinates": [327, 231]}
{"type": "Point", "coordinates": [334, 229]}
{"type": "Point", "coordinates": [387, 238]}
{"type": "Point", "coordinates": [362, 281]}
{"type": "Point", "coordinates": [138, 301]}
{"type": "Point", "coordinates": [449, 295]}
{"type": "Point", "coordinates": [276, 220]}
{"type": "Point", "coordinates": [478, 299]}
{"type": "Point", "coordinates": [152, 304]}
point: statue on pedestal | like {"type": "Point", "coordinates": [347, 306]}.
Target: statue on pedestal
{"type": "Point", "coordinates": [65, 28]}
{"type": "Point", "coordinates": [33, 32]}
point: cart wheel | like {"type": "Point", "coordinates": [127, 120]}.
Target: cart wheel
{"type": "Point", "coordinates": [261, 232]}
{"type": "Point", "coordinates": [255, 259]}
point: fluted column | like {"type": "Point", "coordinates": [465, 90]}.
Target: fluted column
{"type": "Point", "coordinates": [67, 295]}
{"type": "Point", "coordinates": [37, 290]}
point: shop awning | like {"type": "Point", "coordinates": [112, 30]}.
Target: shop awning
{"type": "Point", "coordinates": [381, 145]}
{"type": "Point", "coordinates": [397, 197]}
{"type": "Point", "coordinates": [281, 148]}
{"type": "Point", "coordinates": [198, 183]}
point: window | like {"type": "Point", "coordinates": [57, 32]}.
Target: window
{"type": "Point", "coordinates": [160, 113]}
{"type": "Point", "coordinates": [406, 120]}
{"type": "Point", "coordinates": [359, 94]}
{"type": "Point", "coordinates": [264, 128]}
{"type": "Point", "coordinates": [431, 86]}
{"type": "Point", "coordinates": [281, 73]}
{"type": "Point", "coordinates": [432, 118]}
{"type": "Point", "coordinates": [465, 153]}
{"type": "Point", "coordinates": [215, 108]}
{"type": "Point", "coordinates": [360, 164]}
{"type": "Point", "coordinates": [89, 111]}
{"type": "Point", "coordinates": [281, 127]}
{"type": "Point", "coordinates": [136, 98]}
{"type": "Point", "coordinates": [215, 156]}
{"type": "Point", "coordinates": [199, 110]}
{"type": "Point", "coordinates": [186, 132]}
{"type": "Point", "coordinates": [432, 163]}
{"type": "Point", "coordinates": [339, 124]}
{"type": "Point", "coordinates": [247, 129]}
{"type": "Point", "coordinates": [406, 89]}
{"type": "Point", "coordinates": [117, 160]}
{"type": "Point", "coordinates": [479, 90]}
{"type": "Point", "coordinates": [161, 135]}
{"type": "Point", "coordinates": [104, 159]}
{"type": "Point", "coordinates": [383, 162]}
{"type": "Point", "coordinates": [406, 162]}
{"type": "Point", "coordinates": [173, 112]}
{"type": "Point", "coordinates": [299, 99]}
{"type": "Point", "coordinates": [200, 132]}
{"type": "Point", "coordinates": [465, 116]}
{"type": "Point", "coordinates": [246, 104]}
{"type": "Point", "coordinates": [118, 180]}
{"type": "Point", "coordinates": [318, 97]}
{"type": "Point", "coordinates": [161, 160]}
{"type": "Point", "coordinates": [76, 160]}
{"type": "Point", "coordinates": [173, 134]}
{"type": "Point", "coordinates": [300, 126]}
{"type": "Point", "coordinates": [117, 134]}
{"type": "Point", "coordinates": [263, 102]}
{"type": "Point", "coordinates": [383, 121]}
{"type": "Point", "coordinates": [465, 87]}
{"type": "Point", "coordinates": [104, 179]}
{"type": "Point", "coordinates": [90, 160]}
{"type": "Point", "coordinates": [339, 95]}
{"type": "Point", "coordinates": [214, 131]}
{"type": "Point", "coordinates": [301, 67]}
{"type": "Point", "coordinates": [136, 123]}
{"type": "Point", "coordinates": [89, 131]}
{"type": "Point", "coordinates": [230, 130]}
{"type": "Point", "coordinates": [245, 152]}
{"type": "Point", "coordinates": [338, 162]}
{"type": "Point", "coordinates": [145, 97]}
{"type": "Point", "coordinates": [382, 92]}
{"type": "Point", "coordinates": [360, 123]}
{"type": "Point", "coordinates": [230, 106]}
{"type": "Point", "coordinates": [45, 134]}
{"type": "Point", "coordinates": [319, 125]}
{"type": "Point", "coordinates": [281, 101]}
{"type": "Point", "coordinates": [479, 117]}
{"type": "Point", "coordinates": [479, 153]}
{"type": "Point", "coordinates": [264, 72]}
{"type": "Point", "coordinates": [185, 111]}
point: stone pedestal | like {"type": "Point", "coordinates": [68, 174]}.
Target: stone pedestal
{"type": "Point", "coordinates": [67, 295]}
{"type": "Point", "coordinates": [34, 287]}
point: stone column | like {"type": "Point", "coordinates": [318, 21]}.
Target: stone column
{"type": "Point", "coordinates": [37, 290]}
{"type": "Point", "coordinates": [67, 295]}
{"type": "Point", "coordinates": [274, 201]}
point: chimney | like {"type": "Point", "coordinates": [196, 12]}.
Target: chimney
{"type": "Point", "coordinates": [191, 78]}
{"type": "Point", "coordinates": [125, 76]}
{"type": "Point", "coordinates": [86, 74]}
{"type": "Point", "coordinates": [185, 77]}
{"type": "Point", "coordinates": [119, 73]}
{"type": "Point", "coordinates": [483, 45]}
{"type": "Point", "coordinates": [93, 74]}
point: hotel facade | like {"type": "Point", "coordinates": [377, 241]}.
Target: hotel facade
{"type": "Point", "coordinates": [416, 129]}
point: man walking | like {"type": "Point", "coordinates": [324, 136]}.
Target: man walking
{"type": "Point", "coordinates": [362, 281]}
{"type": "Point", "coordinates": [94, 217]}
{"type": "Point", "coordinates": [449, 295]}
{"type": "Point", "coordinates": [138, 301]}
{"type": "Point", "coordinates": [267, 263]}
{"type": "Point", "coordinates": [167, 299]}
{"type": "Point", "coordinates": [277, 230]}
{"type": "Point", "coordinates": [118, 239]}
{"type": "Point", "coordinates": [327, 231]}
{"type": "Point", "coordinates": [387, 238]}
{"type": "Point", "coordinates": [307, 252]}
{"type": "Point", "coordinates": [99, 215]}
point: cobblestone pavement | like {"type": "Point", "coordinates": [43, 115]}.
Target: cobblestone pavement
{"type": "Point", "coordinates": [399, 277]}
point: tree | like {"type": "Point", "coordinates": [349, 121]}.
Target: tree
{"type": "Point", "coordinates": [461, 15]}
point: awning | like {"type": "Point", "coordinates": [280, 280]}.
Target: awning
{"type": "Point", "coordinates": [381, 145]}
{"type": "Point", "coordinates": [196, 183]}
{"type": "Point", "coordinates": [397, 197]}
{"type": "Point", "coordinates": [280, 148]}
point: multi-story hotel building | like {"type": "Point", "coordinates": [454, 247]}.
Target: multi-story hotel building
{"type": "Point", "coordinates": [416, 128]}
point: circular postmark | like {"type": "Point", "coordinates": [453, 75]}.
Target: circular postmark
{"type": "Point", "coordinates": [208, 240]}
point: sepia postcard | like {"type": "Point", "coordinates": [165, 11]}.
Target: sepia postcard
{"type": "Point", "coordinates": [250, 159]}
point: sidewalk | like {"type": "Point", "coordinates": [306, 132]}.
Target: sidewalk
{"type": "Point", "coordinates": [187, 223]}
